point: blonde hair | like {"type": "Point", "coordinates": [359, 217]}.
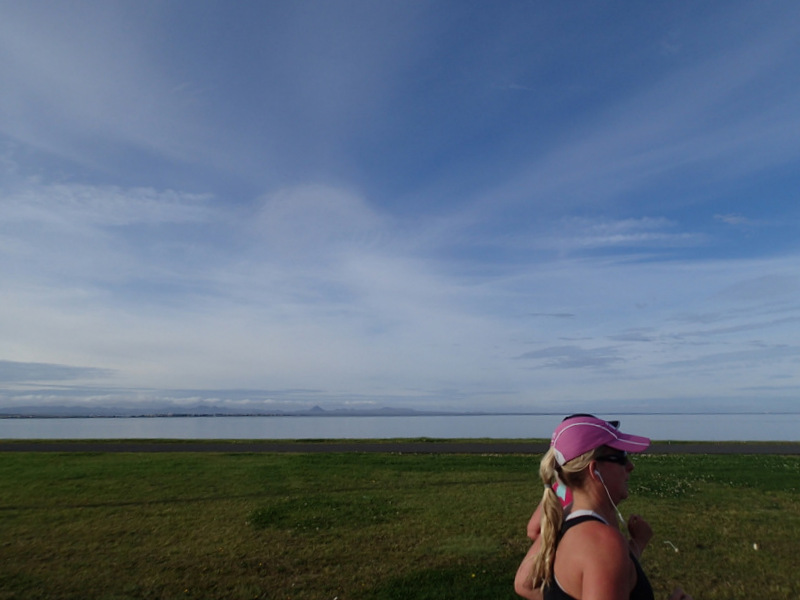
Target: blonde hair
{"type": "Point", "coordinates": [573, 475]}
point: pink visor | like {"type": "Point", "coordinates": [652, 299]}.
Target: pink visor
{"type": "Point", "coordinates": [580, 434]}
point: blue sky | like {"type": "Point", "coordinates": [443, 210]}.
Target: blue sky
{"type": "Point", "coordinates": [434, 205]}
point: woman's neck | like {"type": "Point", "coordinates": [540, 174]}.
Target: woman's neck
{"type": "Point", "coordinates": [594, 503]}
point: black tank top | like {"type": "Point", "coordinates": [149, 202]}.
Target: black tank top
{"type": "Point", "coordinates": [641, 591]}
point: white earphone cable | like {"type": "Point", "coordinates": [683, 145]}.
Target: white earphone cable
{"type": "Point", "coordinates": [619, 514]}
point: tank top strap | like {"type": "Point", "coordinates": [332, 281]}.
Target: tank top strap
{"type": "Point", "coordinates": [577, 520]}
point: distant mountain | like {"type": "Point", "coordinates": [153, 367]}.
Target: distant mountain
{"type": "Point", "coordinates": [76, 411]}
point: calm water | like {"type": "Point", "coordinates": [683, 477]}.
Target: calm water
{"type": "Point", "coordinates": [758, 427]}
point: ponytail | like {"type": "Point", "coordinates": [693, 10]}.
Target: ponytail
{"type": "Point", "coordinates": [572, 475]}
{"type": "Point", "coordinates": [552, 515]}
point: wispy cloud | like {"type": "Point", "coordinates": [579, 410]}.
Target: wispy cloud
{"type": "Point", "coordinates": [749, 358]}
{"type": "Point", "coordinates": [70, 205]}
{"type": "Point", "coordinates": [72, 91]}
{"type": "Point", "coordinates": [573, 357]}
{"type": "Point", "coordinates": [671, 128]}
{"type": "Point", "coordinates": [734, 219]}
{"type": "Point", "coordinates": [19, 372]}
{"type": "Point", "coordinates": [635, 335]}
{"type": "Point", "coordinates": [580, 234]}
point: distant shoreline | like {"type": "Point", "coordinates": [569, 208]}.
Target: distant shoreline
{"type": "Point", "coordinates": [372, 446]}
{"type": "Point", "coordinates": [357, 413]}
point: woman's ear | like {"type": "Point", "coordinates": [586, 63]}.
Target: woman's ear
{"type": "Point", "coordinates": [593, 472]}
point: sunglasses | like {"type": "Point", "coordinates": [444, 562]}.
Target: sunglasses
{"type": "Point", "coordinates": [618, 459]}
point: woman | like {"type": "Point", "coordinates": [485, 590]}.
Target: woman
{"type": "Point", "coordinates": [583, 556]}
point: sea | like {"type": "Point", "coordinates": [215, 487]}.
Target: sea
{"type": "Point", "coordinates": [767, 427]}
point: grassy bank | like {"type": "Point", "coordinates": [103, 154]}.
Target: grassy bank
{"type": "Point", "coordinates": [365, 526]}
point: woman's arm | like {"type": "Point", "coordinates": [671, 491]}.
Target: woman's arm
{"type": "Point", "coordinates": [640, 532]}
{"type": "Point", "coordinates": [523, 583]}
{"type": "Point", "coordinates": [535, 524]}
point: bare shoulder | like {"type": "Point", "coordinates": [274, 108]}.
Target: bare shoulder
{"type": "Point", "coordinates": [596, 533]}
{"type": "Point", "coordinates": [606, 545]}
{"type": "Point", "coordinates": [593, 562]}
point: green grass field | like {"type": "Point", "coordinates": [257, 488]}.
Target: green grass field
{"type": "Point", "coordinates": [352, 526]}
